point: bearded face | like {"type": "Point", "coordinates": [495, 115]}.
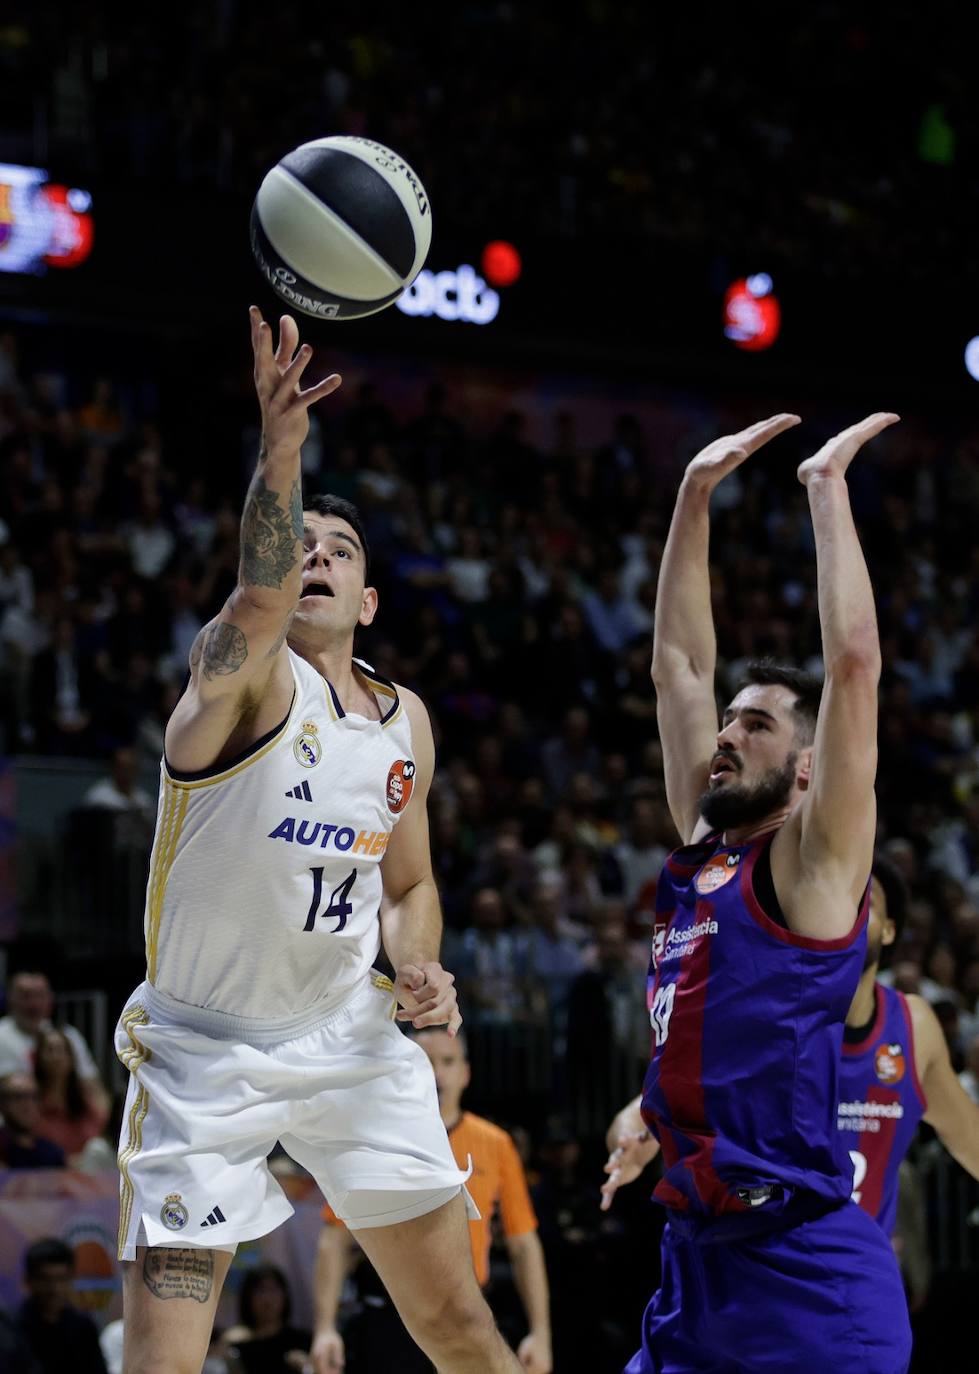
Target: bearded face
{"type": "Point", "coordinates": [728, 804]}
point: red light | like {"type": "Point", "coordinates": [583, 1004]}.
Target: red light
{"type": "Point", "coordinates": [73, 231]}
{"type": "Point", "coordinates": [751, 321]}
{"type": "Point", "coordinates": [501, 263]}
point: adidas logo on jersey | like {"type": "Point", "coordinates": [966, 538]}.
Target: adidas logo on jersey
{"type": "Point", "coordinates": [301, 792]}
{"type": "Point", "coordinates": [214, 1218]}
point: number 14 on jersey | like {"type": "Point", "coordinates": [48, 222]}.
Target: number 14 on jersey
{"type": "Point", "coordinates": [339, 904]}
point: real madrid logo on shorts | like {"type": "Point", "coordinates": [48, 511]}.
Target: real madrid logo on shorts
{"type": "Point", "coordinates": [307, 748]}
{"type": "Point", "coordinates": [716, 872]}
{"type": "Point", "coordinates": [173, 1213]}
{"type": "Point", "coordinates": [401, 779]}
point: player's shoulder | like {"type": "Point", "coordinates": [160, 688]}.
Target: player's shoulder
{"type": "Point", "coordinates": [926, 1029]}
{"type": "Point", "coordinates": [416, 711]}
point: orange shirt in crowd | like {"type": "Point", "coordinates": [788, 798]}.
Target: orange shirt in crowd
{"type": "Point", "coordinates": [497, 1179]}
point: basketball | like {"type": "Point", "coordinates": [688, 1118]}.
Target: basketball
{"type": "Point", "coordinates": [340, 227]}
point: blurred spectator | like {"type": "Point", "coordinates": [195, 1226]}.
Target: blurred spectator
{"type": "Point", "coordinates": [71, 1114]}
{"type": "Point", "coordinates": [969, 1077]}
{"type": "Point", "coordinates": [30, 1003]}
{"type": "Point", "coordinates": [15, 1353]}
{"type": "Point", "coordinates": [642, 854]}
{"type": "Point", "coordinates": [55, 1330]}
{"type": "Point", "coordinates": [21, 1144]}
{"type": "Point", "coordinates": [489, 963]}
{"type": "Point", "coordinates": [264, 1342]}
{"type": "Point", "coordinates": [574, 751]}
{"type": "Point", "coordinates": [134, 808]}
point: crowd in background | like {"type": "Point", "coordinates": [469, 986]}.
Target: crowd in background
{"type": "Point", "coordinates": [842, 140]}
{"type": "Point", "coordinates": [517, 579]}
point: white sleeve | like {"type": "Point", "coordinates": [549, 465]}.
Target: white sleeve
{"type": "Point", "coordinates": [84, 1062]}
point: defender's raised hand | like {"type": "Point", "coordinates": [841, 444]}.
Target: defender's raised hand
{"type": "Point", "coordinates": [285, 418]}
{"type": "Point", "coordinates": [838, 453]}
{"type": "Point", "coordinates": [722, 456]}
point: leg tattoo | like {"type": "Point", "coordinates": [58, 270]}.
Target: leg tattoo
{"type": "Point", "coordinates": [179, 1273]}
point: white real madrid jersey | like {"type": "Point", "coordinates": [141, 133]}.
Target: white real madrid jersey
{"type": "Point", "coordinates": [265, 883]}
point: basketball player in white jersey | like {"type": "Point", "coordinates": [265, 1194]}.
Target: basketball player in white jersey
{"type": "Point", "coordinates": [291, 839]}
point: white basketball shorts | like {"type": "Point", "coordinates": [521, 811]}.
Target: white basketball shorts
{"type": "Point", "coordinates": [352, 1100]}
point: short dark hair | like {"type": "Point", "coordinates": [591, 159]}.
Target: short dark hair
{"type": "Point", "coordinates": [326, 504]}
{"type": "Point", "coordinates": [896, 896]}
{"type": "Point", "coordinates": [766, 672]}
{"type": "Point", "coordinates": [252, 1279]}
{"type": "Point", "coordinates": [44, 1252]}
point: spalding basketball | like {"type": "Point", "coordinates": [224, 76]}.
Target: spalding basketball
{"type": "Point", "coordinates": [340, 227]}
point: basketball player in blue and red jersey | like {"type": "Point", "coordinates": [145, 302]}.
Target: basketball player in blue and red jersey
{"type": "Point", "coordinates": [759, 944]}
{"type": "Point", "coordinates": [896, 1070]}
{"type": "Point", "coordinates": [291, 842]}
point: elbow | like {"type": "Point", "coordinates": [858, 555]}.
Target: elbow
{"type": "Point", "coordinates": [857, 663]}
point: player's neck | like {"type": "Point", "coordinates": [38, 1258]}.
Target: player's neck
{"type": "Point", "coordinates": [335, 663]}
{"type": "Point", "coordinates": [744, 834]}
{"type": "Point", "coordinates": [864, 1002]}
{"type": "Point", "coordinates": [451, 1118]}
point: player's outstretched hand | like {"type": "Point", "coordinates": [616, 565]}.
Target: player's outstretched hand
{"type": "Point", "coordinates": [838, 453]}
{"type": "Point", "coordinates": [724, 455]}
{"type": "Point", "coordinates": [534, 1354]}
{"type": "Point", "coordinates": [626, 1162]}
{"type": "Point", "coordinates": [285, 409]}
{"type": "Point", "coordinates": [327, 1355]}
{"type": "Point", "coordinates": [428, 997]}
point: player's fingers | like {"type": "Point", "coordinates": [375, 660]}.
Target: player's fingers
{"type": "Point", "coordinates": [455, 1023]}
{"type": "Point", "coordinates": [266, 373]}
{"type": "Point", "coordinates": [438, 1016]}
{"type": "Point", "coordinates": [758, 434]}
{"type": "Point", "coordinates": [288, 339]}
{"type": "Point", "coordinates": [324, 388]}
{"type": "Point", "coordinates": [285, 391]}
{"type": "Point", "coordinates": [872, 425]}
{"type": "Point", "coordinates": [608, 1191]}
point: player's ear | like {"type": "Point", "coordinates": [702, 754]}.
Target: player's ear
{"type": "Point", "coordinates": [888, 931]}
{"type": "Point", "coordinates": [803, 769]}
{"type": "Point", "coordinates": [467, 1074]}
{"type": "Point", "coordinates": [368, 607]}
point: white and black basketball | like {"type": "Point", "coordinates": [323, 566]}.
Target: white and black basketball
{"type": "Point", "coordinates": [340, 227]}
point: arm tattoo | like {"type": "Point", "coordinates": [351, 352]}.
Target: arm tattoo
{"type": "Point", "coordinates": [179, 1273]}
{"type": "Point", "coordinates": [269, 535]}
{"type": "Point", "coordinates": [296, 510]}
{"type": "Point", "coordinates": [220, 648]}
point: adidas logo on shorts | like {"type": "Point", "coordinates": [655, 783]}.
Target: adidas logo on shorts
{"type": "Point", "coordinates": [301, 792]}
{"type": "Point", "coordinates": [214, 1218]}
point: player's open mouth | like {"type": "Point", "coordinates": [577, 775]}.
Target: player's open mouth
{"type": "Point", "coordinates": [315, 589]}
{"type": "Point", "coordinates": [720, 765]}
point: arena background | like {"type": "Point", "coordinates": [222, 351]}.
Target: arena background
{"type": "Point", "coordinates": [516, 477]}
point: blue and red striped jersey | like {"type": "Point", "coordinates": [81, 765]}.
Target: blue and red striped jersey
{"type": "Point", "coordinates": [747, 1019]}
{"type": "Point", "coordinates": [881, 1103]}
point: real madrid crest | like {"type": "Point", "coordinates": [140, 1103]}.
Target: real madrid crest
{"type": "Point", "coordinates": [307, 747]}
{"type": "Point", "coordinates": [173, 1213]}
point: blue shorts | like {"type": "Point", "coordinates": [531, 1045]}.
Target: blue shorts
{"type": "Point", "coordinates": [822, 1295]}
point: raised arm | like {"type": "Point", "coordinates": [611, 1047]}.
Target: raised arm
{"type": "Point", "coordinates": [411, 913]}
{"type": "Point", "coordinates": [239, 656]}
{"type": "Point", "coordinates": [821, 859]}
{"type": "Point", "coordinates": [684, 647]}
{"type": "Point", "coordinates": [950, 1109]}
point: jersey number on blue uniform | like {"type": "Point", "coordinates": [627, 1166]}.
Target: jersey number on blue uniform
{"type": "Point", "coordinates": [339, 906]}
{"type": "Point", "coordinates": [661, 1011]}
